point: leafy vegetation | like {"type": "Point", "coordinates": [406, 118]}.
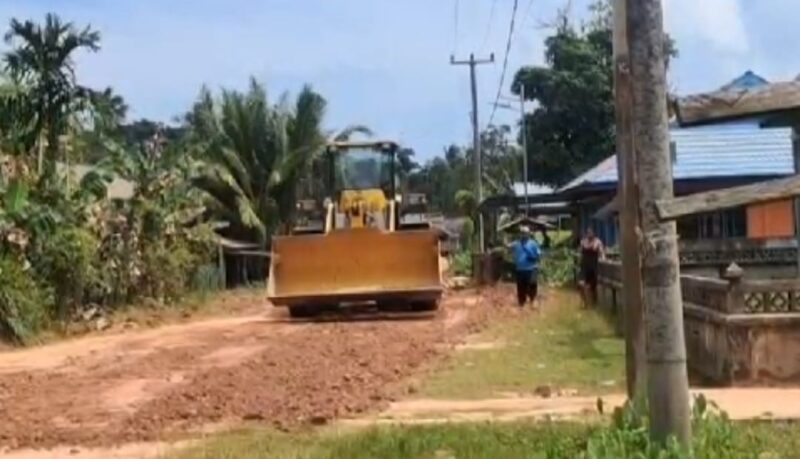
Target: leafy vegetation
{"type": "Point", "coordinates": [572, 127]}
{"type": "Point", "coordinates": [22, 302]}
{"type": "Point", "coordinates": [255, 156]}
{"type": "Point", "coordinates": [450, 179]}
{"type": "Point", "coordinates": [72, 239]}
{"type": "Point", "coordinates": [716, 437]}
{"type": "Point", "coordinates": [558, 265]}
{"type": "Point", "coordinates": [41, 61]}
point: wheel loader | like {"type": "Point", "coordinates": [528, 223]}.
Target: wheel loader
{"type": "Point", "coordinates": [361, 252]}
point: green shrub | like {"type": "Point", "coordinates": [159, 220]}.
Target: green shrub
{"type": "Point", "coordinates": [714, 436]}
{"type": "Point", "coordinates": [462, 263]}
{"type": "Point", "coordinates": [23, 303]}
{"type": "Point", "coordinates": [66, 262]}
{"type": "Point", "coordinates": [166, 270]}
{"type": "Point", "coordinates": [207, 278]}
{"type": "Point", "coordinates": [557, 266]}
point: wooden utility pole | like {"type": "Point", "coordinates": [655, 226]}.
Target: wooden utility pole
{"type": "Point", "coordinates": [476, 136]}
{"type": "Point", "coordinates": [667, 378]}
{"type": "Point", "coordinates": [627, 196]}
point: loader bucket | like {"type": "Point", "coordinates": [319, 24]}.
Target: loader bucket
{"type": "Point", "coordinates": [355, 265]}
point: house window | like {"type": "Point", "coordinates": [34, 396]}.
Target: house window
{"type": "Point", "coordinates": [734, 223]}
{"type": "Point", "coordinates": [725, 224]}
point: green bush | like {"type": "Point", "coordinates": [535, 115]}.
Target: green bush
{"type": "Point", "coordinates": [166, 270]}
{"type": "Point", "coordinates": [462, 263]}
{"type": "Point", "coordinates": [207, 278]}
{"type": "Point", "coordinates": [714, 436]}
{"type": "Point", "coordinates": [23, 303]}
{"type": "Point", "coordinates": [66, 262]}
{"type": "Point", "coordinates": [557, 266]}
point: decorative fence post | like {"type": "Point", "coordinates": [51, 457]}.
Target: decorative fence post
{"type": "Point", "coordinates": [734, 301]}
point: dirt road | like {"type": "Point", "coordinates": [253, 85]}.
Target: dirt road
{"type": "Point", "coordinates": [164, 383]}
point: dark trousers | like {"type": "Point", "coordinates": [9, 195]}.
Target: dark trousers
{"type": "Point", "coordinates": [527, 286]}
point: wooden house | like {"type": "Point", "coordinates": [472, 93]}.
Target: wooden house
{"type": "Point", "coordinates": [718, 140]}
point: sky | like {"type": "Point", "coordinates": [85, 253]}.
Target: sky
{"type": "Point", "coordinates": [385, 63]}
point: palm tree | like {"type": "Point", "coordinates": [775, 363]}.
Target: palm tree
{"type": "Point", "coordinates": [41, 59]}
{"type": "Point", "coordinates": [109, 110]}
{"type": "Point", "coordinates": [348, 132]}
{"type": "Point", "coordinates": [255, 156]}
{"type": "Point", "coordinates": [16, 131]}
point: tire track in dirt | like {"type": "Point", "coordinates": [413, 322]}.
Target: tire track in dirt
{"type": "Point", "coordinates": [166, 384]}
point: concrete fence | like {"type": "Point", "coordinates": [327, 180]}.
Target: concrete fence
{"type": "Point", "coordinates": [739, 330]}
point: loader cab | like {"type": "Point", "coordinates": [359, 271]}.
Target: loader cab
{"type": "Point", "coordinates": [363, 184]}
{"type": "Point", "coordinates": [362, 166]}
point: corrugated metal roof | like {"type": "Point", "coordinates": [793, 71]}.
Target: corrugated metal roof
{"type": "Point", "coordinates": [533, 189]}
{"type": "Point", "coordinates": [747, 80]}
{"type": "Point", "coordinates": [715, 151]}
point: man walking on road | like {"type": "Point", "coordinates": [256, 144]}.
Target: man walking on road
{"type": "Point", "coordinates": [526, 255]}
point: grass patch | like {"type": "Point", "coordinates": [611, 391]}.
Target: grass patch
{"type": "Point", "coordinates": [150, 314]}
{"type": "Point", "coordinates": [444, 441]}
{"type": "Point", "coordinates": [514, 440]}
{"type": "Point", "coordinates": [563, 346]}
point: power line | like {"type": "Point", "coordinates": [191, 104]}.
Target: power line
{"type": "Point", "coordinates": [505, 60]}
{"type": "Point", "coordinates": [527, 14]}
{"type": "Point", "coordinates": [455, 26]}
{"type": "Point", "coordinates": [489, 25]}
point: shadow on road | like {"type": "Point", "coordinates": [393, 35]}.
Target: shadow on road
{"type": "Point", "coordinates": [359, 314]}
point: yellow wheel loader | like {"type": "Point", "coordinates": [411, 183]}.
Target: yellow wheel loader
{"type": "Point", "coordinates": [360, 252]}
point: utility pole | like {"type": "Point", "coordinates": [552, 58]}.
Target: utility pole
{"type": "Point", "coordinates": [476, 137]}
{"type": "Point", "coordinates": [667, 379]}
{"type": "Point", "coordinates": [524, 129]}
{"type": "Point", "coordinates": [796, 200]}
{"type": "Point", "coordinates": [627, 198]}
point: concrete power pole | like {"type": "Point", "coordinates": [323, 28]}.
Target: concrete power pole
{"type": "Point", "coordinates": [627, 198]}
{"type": "Point", "coordinates": [524, 127]}
{"type": "Point", "coordinates": [476, 137]}
{"type": "Point", "coordinates": [668, 385]}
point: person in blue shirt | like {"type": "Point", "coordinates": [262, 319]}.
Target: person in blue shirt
{"type": "Point", "coordinates": [526, 254]}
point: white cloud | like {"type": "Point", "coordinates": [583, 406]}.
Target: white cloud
{"type": "Point", "coordinates": [716, 23]}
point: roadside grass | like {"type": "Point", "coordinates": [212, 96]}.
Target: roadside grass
{"type": "Point", "coordinates": [516, 440]}
{"type": "Point", "coordinates": [195, 306]}
{"type": "Point", "coordinates": [560, 347]}
{"type": "Point", "coordinates": [486, 440]}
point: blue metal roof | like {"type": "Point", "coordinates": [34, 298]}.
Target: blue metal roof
{"type": "Point", "coordinates": [716, 151]}
{"type": "Point", "coordinates": [747, 80]}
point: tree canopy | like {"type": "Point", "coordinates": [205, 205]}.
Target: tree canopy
{"type": "Point", "coordinates": [41, 59]}
{"type": "Point", "coordinates": [572, 127]}
{"type": "Point", "coordinates": [443, 177]}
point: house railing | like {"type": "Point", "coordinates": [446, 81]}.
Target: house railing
{"type": "Point", "coordinates": [742, 251]}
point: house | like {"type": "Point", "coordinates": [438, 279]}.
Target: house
{"type": "Point", "coordinates": [733, 136]}
{"type": "Point", "coordinates": [542, 203]}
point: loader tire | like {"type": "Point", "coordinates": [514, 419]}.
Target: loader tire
{"type": "Point", "coordinates": [301, 312]}
{"type": "Point", "coordinates": [424, 306]}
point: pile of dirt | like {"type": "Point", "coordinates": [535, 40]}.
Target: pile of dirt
{"type": "Point", "coordinates": [157, 386]}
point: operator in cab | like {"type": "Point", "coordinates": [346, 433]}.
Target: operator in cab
{"type": "Point", "coordinates": [526, 254]}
